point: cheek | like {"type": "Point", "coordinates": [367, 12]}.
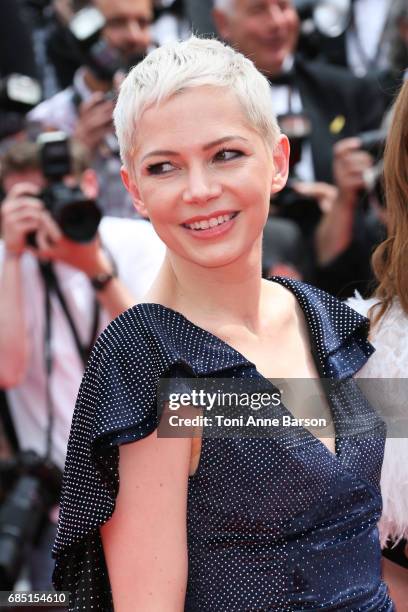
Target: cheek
{"type": "Point", "coordinates": [146, 38]}
{"type": "Point", "coordinates": [254, 30]}
{"type": "Point", "coordinates": [255, 177]}
{"type": "Point", "coordinates": [160, 201]}
{"type": "Point", "coordinates": [292, 26]}
{"type": "Point", "coordinates": [155, 193]}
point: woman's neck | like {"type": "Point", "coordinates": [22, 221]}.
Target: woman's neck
{"type": "Point", "coordinates": [212, 297]}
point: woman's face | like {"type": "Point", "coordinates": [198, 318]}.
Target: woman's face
{"type": "Point", "coordinates": [204, 176]}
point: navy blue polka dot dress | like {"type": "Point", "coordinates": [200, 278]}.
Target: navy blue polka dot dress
{"type": "Point", "coordinates": [277, 523]}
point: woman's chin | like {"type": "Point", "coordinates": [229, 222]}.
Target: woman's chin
{"type": "Point", "coordinates": [212, 259]}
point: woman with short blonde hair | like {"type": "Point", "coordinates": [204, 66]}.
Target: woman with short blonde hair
{"type": "Point", "coordinates": [225, 519]}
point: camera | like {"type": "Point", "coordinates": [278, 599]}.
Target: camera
{"type": "Point", "coordinates": [30, 486]}
{"type": "Point", "coordinates": [321, 20]}
{"type": "Point", "coordinates": [329, 17]}
{"type": "Point", "coordinates": [102, 59]}
{"type": "Point", "coordinates": [373, 142]}
{"type": "Point", "coordinates": [18, 94]}
{"type": "Point", "coordinates": [77, 216]}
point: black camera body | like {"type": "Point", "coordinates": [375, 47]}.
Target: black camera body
{"type": "Point", "coordinates": [103, 60]}
{"type": "Point", "coordinates": [19, 93]}
{"type": "Point", "coordinates": [373, 142]}
{"type": "Point", "coordinates": [77, 216]}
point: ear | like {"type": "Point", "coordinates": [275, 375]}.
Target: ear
{"type": "Point", "coordinates": [281, 154]}
{"type": "Point", "coordinates": [134, 192]}
{"type": "Point", "coordinates": [89, 183]}
{"type": "Point", "coordinates": [221, 22]}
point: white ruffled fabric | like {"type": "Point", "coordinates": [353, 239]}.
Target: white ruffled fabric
{"type": "Point", "coordinates": [390, 338]}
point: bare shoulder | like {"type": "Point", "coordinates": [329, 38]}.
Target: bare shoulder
{"type": "Point", "coordinates": [280, 305]}
{"type": "Point", "coordinates": [287, 329]}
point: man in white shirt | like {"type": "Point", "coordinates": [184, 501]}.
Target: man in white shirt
{"type": "Point", "coordinates": [98, 280]}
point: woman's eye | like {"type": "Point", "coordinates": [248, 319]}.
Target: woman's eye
{"type": "Point", "coordinates": [227, 154]}
{"type": "Point", "coordinates": [162, 168]}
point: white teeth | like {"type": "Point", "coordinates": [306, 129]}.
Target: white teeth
{"type": "Point", "coordinates": [207, 223]}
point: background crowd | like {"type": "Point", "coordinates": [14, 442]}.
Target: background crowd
{"type": "Point", "coordinates": [73, 251]}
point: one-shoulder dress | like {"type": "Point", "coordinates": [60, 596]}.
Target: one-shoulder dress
{"type": "Point", "coordinates": [275, 523]}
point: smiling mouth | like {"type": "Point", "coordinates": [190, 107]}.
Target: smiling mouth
{"type": "Point", "coordinates": [206, 224]}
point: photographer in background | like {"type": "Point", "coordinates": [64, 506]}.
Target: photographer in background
{"type": "Point", "coordinates": [354, 225]}
{"type": "Point", "coordinates": [55, 299]}
{"type": "Point", "coordinates": [327, 102]}
{"type": "Point", "coordinates": [350, 230]}
{"type": "Point", "coordinates": [84, 110]}
{"type": "Point", "coordinates": [333, 101]}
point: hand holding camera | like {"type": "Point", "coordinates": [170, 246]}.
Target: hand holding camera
{"type": "Point", "coordinates": [350, 164]}
{"type": "Point", "coordinates": [23, 213]}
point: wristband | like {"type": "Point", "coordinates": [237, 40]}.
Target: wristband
{"type": "Point", "coordinates": [100, 281]}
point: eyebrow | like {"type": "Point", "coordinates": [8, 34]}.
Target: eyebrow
{"type": "Point", "coordinates": [207, 146]}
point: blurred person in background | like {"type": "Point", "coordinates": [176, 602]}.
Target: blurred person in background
{"type": "Point", "coordinates": [84, 109]}
{"type": "Point", "coordinates": [58, 297]}
{"type": "Point", "coordinates": [330, 102]}
{"type": "Point", "coordinates": [349, 231]}
{"type": "Point", "coordinates": [16, 58]}
{"type": "Point", "coordinates": [367, 38]}
{"type": "Point", "coordinates": [267, 32]}
{"type": "Point", "coordinates": [388, 312]}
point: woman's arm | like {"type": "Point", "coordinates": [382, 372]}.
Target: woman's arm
{"type": "Point", "coordinates": [396, 578]}
{"type": "Point", "coordinates": [145, 541]}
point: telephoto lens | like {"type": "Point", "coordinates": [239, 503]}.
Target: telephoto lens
{"type": "Point", "coordinates": [20, 517]}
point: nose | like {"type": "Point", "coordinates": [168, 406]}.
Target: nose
{"type": "Point", "coordinates": [134, 33]}
{"type": "Point", "coordinates": [201, 186]}
{"type": "Point", "coordinates": [275, 16]}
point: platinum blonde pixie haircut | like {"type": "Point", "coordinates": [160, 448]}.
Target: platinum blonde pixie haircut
{"type": "Point", "coordinates": [196, 62]}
